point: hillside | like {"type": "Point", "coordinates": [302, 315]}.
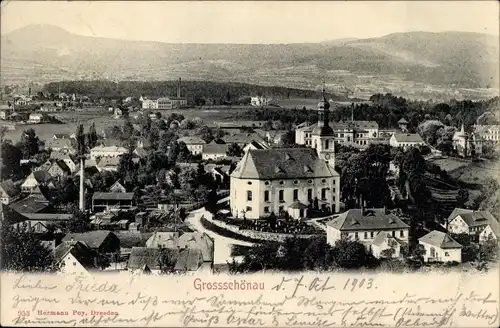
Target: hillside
{"type": "Point", "coordinates": [44, 53]}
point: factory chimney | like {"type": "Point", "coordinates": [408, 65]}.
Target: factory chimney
{"type": "Point", "coordinates": [82, 188]}
{"type": "Point", "coordinates": [179, 89]}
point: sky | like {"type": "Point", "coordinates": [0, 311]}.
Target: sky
{"type": "Point", "coordinates": [251, 21]}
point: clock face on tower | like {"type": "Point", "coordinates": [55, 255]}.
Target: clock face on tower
{"type": "Point", "coordinates": [327, 156]}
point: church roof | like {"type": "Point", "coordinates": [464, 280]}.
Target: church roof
{"type": "Point", "coordinates": [282, 163]}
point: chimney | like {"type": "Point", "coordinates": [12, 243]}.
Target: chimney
{"type": "Point", "coordinates": [352, 112]}
{"type": "Point", "coordinates": [82, 191]}
{"type": "Point", "coordinates": [95, 261]}
{"type": "Point", "coordinates": [29, 91]}
{"type": "Point", "coordinates": [362, 205]}
{"type": "Point", "coordinates": [179, 89]}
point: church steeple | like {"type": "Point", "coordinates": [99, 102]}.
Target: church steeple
{"type": "Point", "coordinates": [323, 127]}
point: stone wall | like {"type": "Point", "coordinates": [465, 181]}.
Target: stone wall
{"type": "Point", "coordinates": [264, 236]}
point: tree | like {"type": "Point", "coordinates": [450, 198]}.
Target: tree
{"type": "Point", "coordinates": [9, 164]}
{"type": "Point", "coordinates": [167, 260]}
{"type": "Point", "coordinates": [462, 197]}
{"type": "Point", "coordinates": [80, 141]}
{"type": "Point", "coordinates": [234, 150]}
{"type": "Point", "coordinates": [22, 251]}
{"type": "Point", "coordinates": [29, 143]}
{"type": "Point", "coordinates": [205, 133]}
{"type": "Point", "coordinates": [351, 254]}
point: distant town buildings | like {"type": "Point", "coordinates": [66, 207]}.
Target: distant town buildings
{"type": "Point", "coordinates": [440, 247]}
{"type": "Point", "coordinates": [467, 144]}
{"type": "Point", "coordinates": [194, 144]}
{"type": "Point", "coordinates": [406, 140]}
{"type": "Point", "coordinates": [488, 132]}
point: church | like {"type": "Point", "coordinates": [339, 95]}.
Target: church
{"type": "Point", "coordinates": [290, 180]}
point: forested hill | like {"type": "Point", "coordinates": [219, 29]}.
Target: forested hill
{"type": "Point", "coordinates": [228, 91]}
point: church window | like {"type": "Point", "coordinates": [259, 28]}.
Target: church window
{"type": "Point", "coordinates": [295, 194]}
{"type": "Point", "coordinates": [281, 195]}
{"type": "Point", "coordinates": [249, 195]}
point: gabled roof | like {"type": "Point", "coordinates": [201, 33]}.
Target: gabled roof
{"type": "Point", "coordinates": [189, 259]}
{"type": "Point", "coordinates": [297, 205]}
{"type": "Point", "coordinates": [10, 216]}
{"type": "Point", "coordinates": [439, 239]}
{"type": "Point", "coordinates": [140, 257]}
{"type": "Point", "coordinates": [62, 166]}
{"type": "Point", "coordinates": [141, 152]}
{"type": "Point", "coordinates": [402, 121]}
{"type": "Point", "coordinates": [371, 219]}
{"type": "Point", "coordinates": [472, 218]}
{"type": "Point", "coordinates": [62, 136]}
{"type": "Point", "coordinates": [200, 241]}
{"type": "Point", "coordinates": [10, 188]}
{"type": "Point", "coordinates": [92, 239]}
{"type": "Point", "coordinates": [117, 185]}
{"type": "Point", "coordinates": [108, 161]}
{"type": "Point", "coordinates": [166, 239]}
{"type": "Point", "coordinates": [58, 155]}
{"type": "Point", "coordinates": [60, 143]}
{"type": "Point", "coordinates": [109, 149]}
{"type": "Point", "coordinates": [192, 140]}
{"type": "Point", "coordinates": [408, 137]}
{"type": "Point", "coordinates": [282, 163]}
{"type": "Point", "coordinates": [79, 250]}
{"type": "Point", "coordinates": [214, 148]}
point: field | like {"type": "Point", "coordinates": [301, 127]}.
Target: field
{"type": "Point", "coordinates": [450, 164]}
{"type": "Point", "coordinates": [478, 173]}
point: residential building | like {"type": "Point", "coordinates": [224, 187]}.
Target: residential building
{"type": "Point", "coordinates": [31, 204]}
{"type": "Point", "coordinates": [143, 143]}
{"type": "Point", "coordinates": [194, 144]}
{"type": "Point", "coordinates": [469, 221]}
{"type": "Point", "coordinates": [117, 187]}
{"type": "Point", "coordinates": [107, 151]}
{"type": "Point", "coordinates": [243, 139]}
{"type": "Point", "coordinates": [35, 179]}
{"type": "Point", "coordinates": [259, 101]}
{"type": "Point", "coordinates": [440, 247]}
{"type": "Point", "coordinates": [103, 201]}
{"type": "Point", "coordinates": [255, 145]}
{"type": "Point", "coordinates": [403, 125]}
{"type": "Point", "coordinates": [66, 158]}
{"type": "Point", "coordinates": [4, 114]}
{"type": "Point", "coordinates": [491, 231]}
{"type": "Point", "coordinates": [40, 223]}
{"type": "Point", "coordinates": [275, 137]}
{"type": "Point", "coordinates": [9, 192]}
{"type": "Point", "coordinates": [488, 132]}
{"type": "Point", "coordinates": [149, 104]}
{"type": "Point", "coordinates": [35, 118]}
{"type": "Point", "coordinates": [59, 169]}
{"type": "Point", "coordinates": [109, 164]}
{"type": "Point", "coordinates": [467, 144]}
{"type": "Point", "coordinates": [61, 145]}
{"type": "Point", "coordinates": [365, 225]}
{"type": "Point", "coordinates": [214, 151]}
{"type": "Point", "coordinates": [101, 241]}
{"type": "Point", "coordinates": [61, 136]}
{"type": "Point", "coordinates": [74, 258]}
{"type": "Point", "coordinates": [144, 260]}
{"type": "Point", "coordinates": [406, 140]}
{"type": "Point", "coordinates": [386, 245]}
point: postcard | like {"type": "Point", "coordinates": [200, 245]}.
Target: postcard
{"type": "Point", "coordinates": [249, 164]}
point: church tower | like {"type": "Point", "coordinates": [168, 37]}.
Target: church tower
{"type": "Point", "coordinates": [322, 137]}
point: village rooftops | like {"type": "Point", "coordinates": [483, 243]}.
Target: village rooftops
{"type": "Point", "coordinates": [408, 137]}
{"type": "Point", "coordinates": [110, 149]}
{"type": "Point", "coordinates": [439, 239]}
{"type": "Point", "coordinates": [92, 239]}
{"type": "Point", "coordinates": [370, 219]}
{"type": "Point", "coordinates": [30, 204]}
{"type": "Point", "coordinates": [60, 143]}
{"type": "Point", "coordinates": [113, 196]}
{"type": "Point", "coordinates": [10, 188]}
{"type": "Point", "coordinates": [473, 218]}
{"type": "Point", "coordinates": [142, 257]}
{"type": "Point", "coordinates": [282, 163]}
{"type": "Point", "coordinates": [10, 216]}
{"type": "Point", "coordinates": [213, 148]}
{"type": "Point", "coordinates": [79, 250]}
{"type": "Point", "coordinates": [192, 140]}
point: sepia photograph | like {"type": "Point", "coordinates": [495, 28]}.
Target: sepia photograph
{"type": "Point", "coordinates": [338, 149]}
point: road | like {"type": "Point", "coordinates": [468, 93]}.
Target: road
{"type": "Point", "coordinates": [222, 245]}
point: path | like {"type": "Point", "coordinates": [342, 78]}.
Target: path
{"type": "Point", "coordinates": [223, 245]}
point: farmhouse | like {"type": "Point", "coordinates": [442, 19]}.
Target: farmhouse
{"type": "Point", "coordinates": [406, 140]}
{"type": "Point", "coordinates": [469, 221]}
{"type": "Point", "coordinates": [74, 258]}
{"type": "Point", "coordinates": [214, 151]}
{"type": "Point", "coordinates": [194, 144]}
{"type": "Point", "coordinates": [440, 247]}
{"type": "Point", "coordinates": [9, 192]}
{"type": "Point", "coordinates": [365, 225]}
{"type": "Point", "coordinates": [101, 241]}
{"type": "Point", "coordinates": [35, 179]}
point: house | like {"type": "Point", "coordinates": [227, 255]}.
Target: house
{"type": "Point", "coordinates": [59, 169]}
{"type": "Point", "coordinates": [270, 180]}
{"type": "Point", "coordinates": [35, 118]}
{"type": "Point", "coordinates": [40, 223]}
{"type": "Point", "coordinates": [220, 173]}
{"type": "Point", "coordinates": [406, 140]}
{"type": "Point", "coordinates": [143, 143]}
{"type": "Point", "coordinates": [440, 247]}
{"type": "Point", "coordinates": [9, 192]}
{"type": "Point", "coordinates": [488, 132]}
{"type": "Point", "coordinates": [144, 260]}
{"type": "Point", "coordinates": [118, 112]}
{"type": "Point", "coordinates": [103, 201]}
{"type": "Point", "coordinates": [276, 137]}
{"type": "Point", "coordinates": [255, 145]}
{"type": "Point", "coordinates": [4, 114]}
{"type": "Point", "coordinates": [365, 225]}
{"type": "Point", "coordinates": [66, 158]}
{"type": "Point", "coordinates": [74, 258]}
{"type": "Point", "coordinates": [30, 204]}
{"type": "Point", "coordinates": [140, 152]}
{"type": "Point", "coordinates": [491, 231]}
{"type": "Point", "coordinates": [109, 164]}
{"type": "Point", "coordinates": [259, 101]}
{"type": "Point", "coordinates": [386, 245]}
{"type": "Point", "coordinates": [467, 144]}
{"type": "Point", "coordinates": [36, 178]}
{"type": "Point", "coordinates": [214, 151]}
{"type": "Point", "coordinates": [194, 144]}
{"type": "Point", "coordinates": [101, 241]}
{"type": "Point", "coordinates": [107, 151]}
{"type": "Point", "coordinates": [149, 104]}
{"type": "Point", "coordinates": [117, 187]}
{"type": "Point", "coordinates": [61, 145]}
{"type": "Point", "coordinates": [469, 221]}
{"type": "Point", "coordinates": [243, 139]}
